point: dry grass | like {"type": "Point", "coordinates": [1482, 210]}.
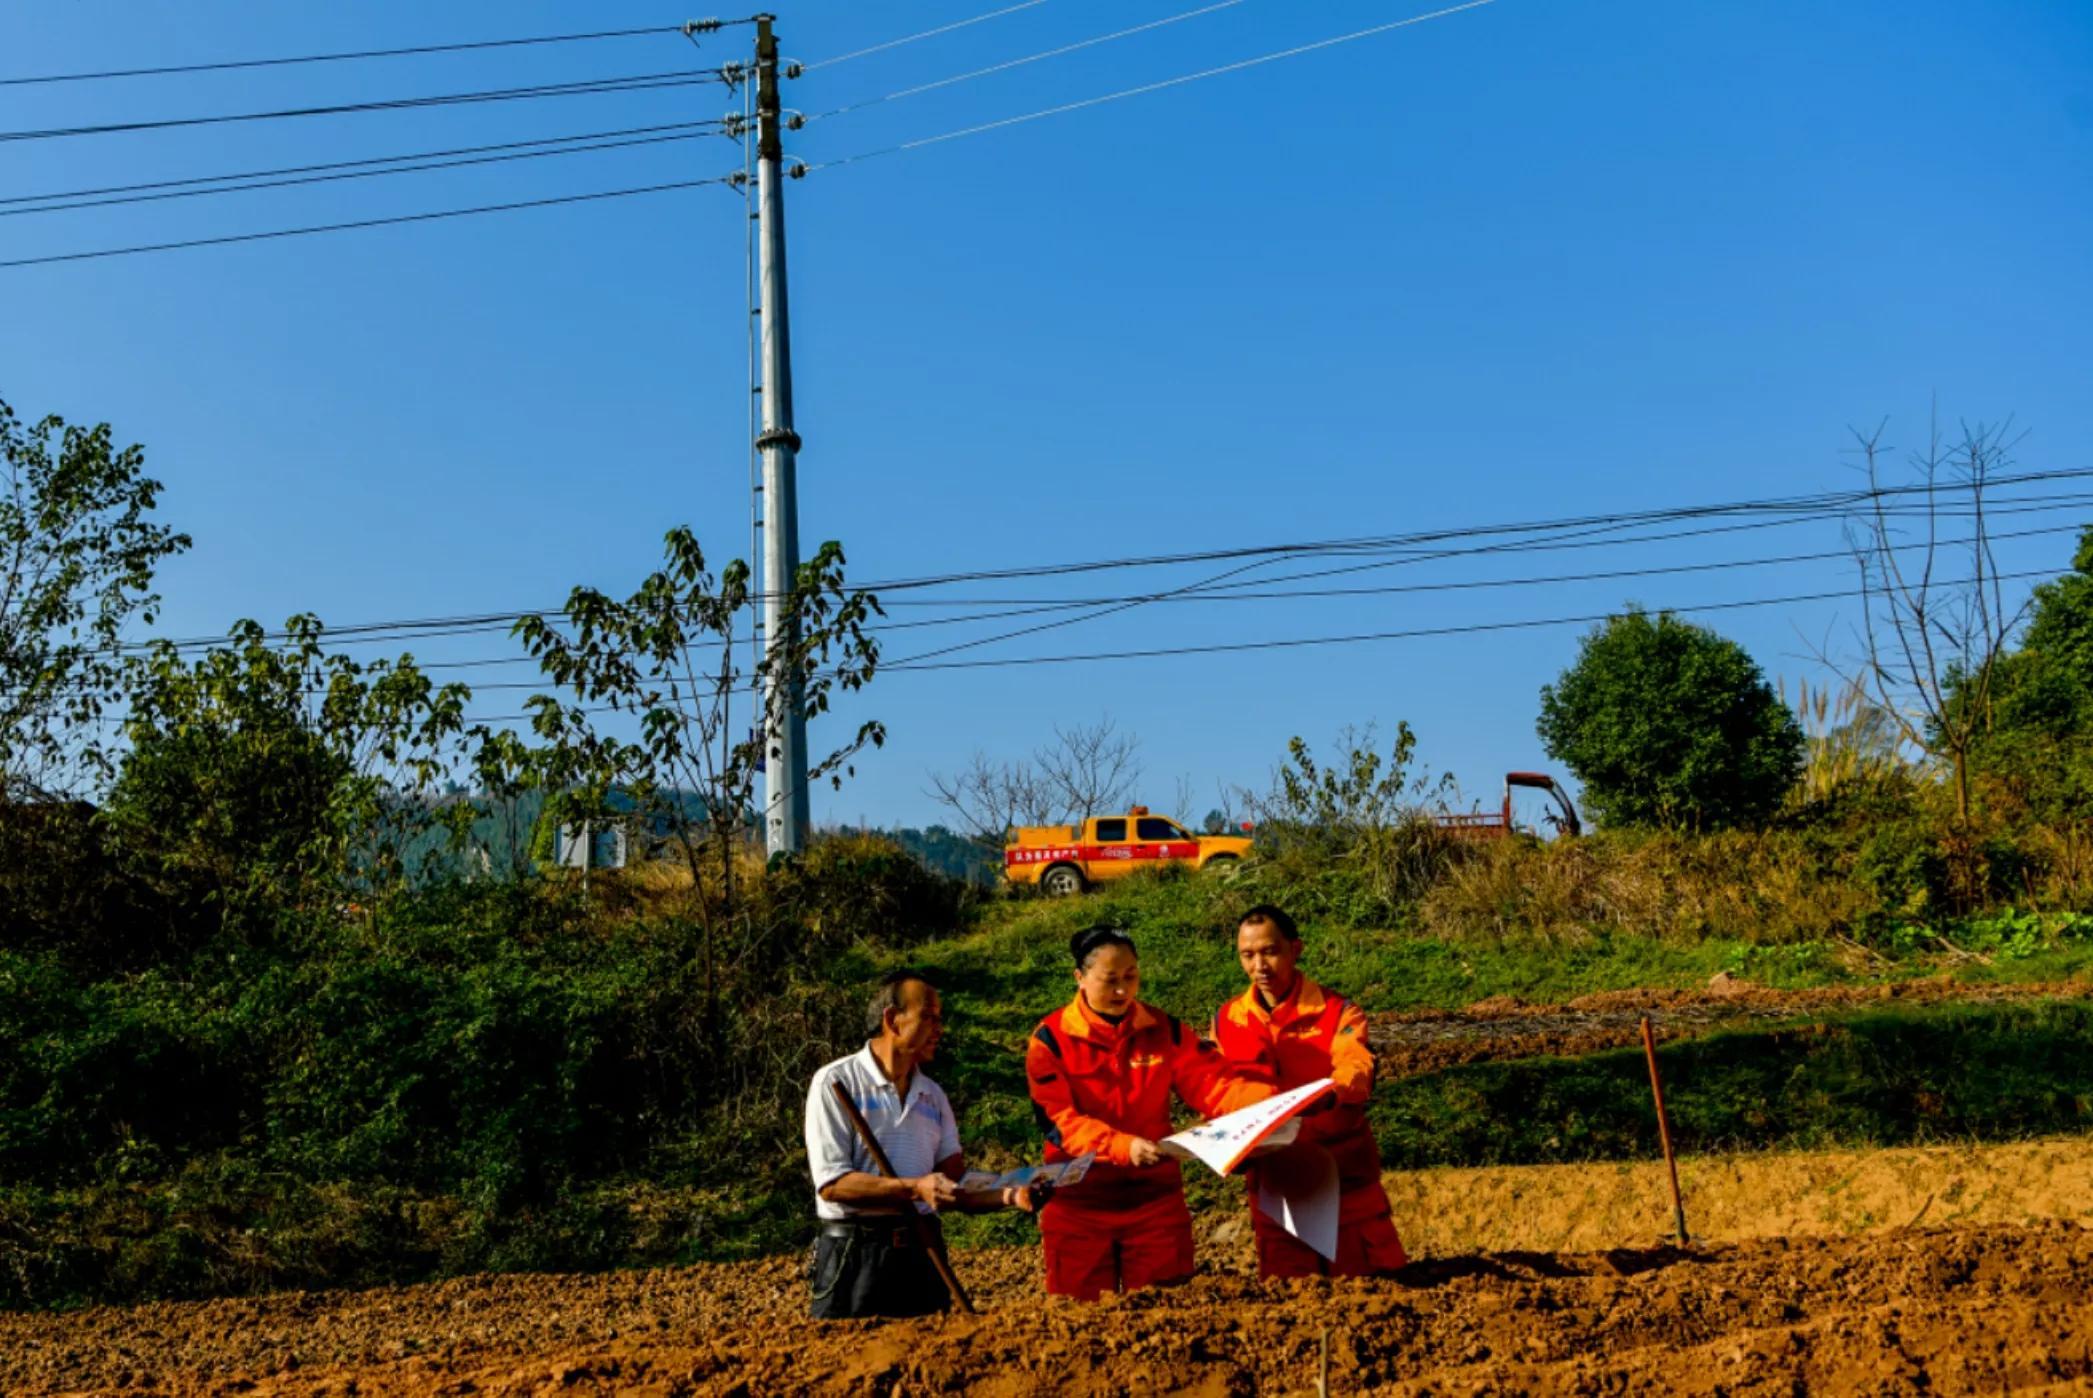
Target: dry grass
{"type": "Point", "coordinates": [1664, 886]}
{"type": "Point", "coordinates": [661, 887]}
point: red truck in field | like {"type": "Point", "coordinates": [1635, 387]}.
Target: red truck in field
{"type": "Point", "coordinates": [1495, 825]}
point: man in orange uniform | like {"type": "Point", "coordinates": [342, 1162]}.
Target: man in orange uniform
{"type": "Point", "coordinates": [1287, 1025]}
{"type": "Point", "coordinates": [1101, 1070]}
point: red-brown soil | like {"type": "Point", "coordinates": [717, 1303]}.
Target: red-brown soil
{"type": "Point", "coordinates": [1971, 1310]}
{"type": "Point", "coordinates": [1503, 1027]}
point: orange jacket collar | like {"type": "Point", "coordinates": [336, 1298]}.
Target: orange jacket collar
{"type": "Point", "coordinates": [1307, 1000]}
{"type": "Point", "coordinates": [1085, 1023]}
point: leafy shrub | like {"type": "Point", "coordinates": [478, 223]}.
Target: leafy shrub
{"type": "Point", "coordinates": [63, 889]}
{"type": "Point", "coordinates": [1666, 723]}
{"type": "Point", "coordinates": [1348, 839]}
{"type": "Point", "coordinates": [848, 889]}
{"type": "Point", "coordinates": [117, 1078]}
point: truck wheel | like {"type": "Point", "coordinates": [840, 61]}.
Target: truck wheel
{"type": "Point", "coordinates": [1223, 866]}
{"type": "Point", "coordinates": [1062, 881]}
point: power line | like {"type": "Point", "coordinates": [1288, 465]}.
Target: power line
{"type": "Point", "coordinates": [489, 623]}
{"type": "Point", "coordinates": [1291, 642]}
{"type": "Point", "coordinates": [1302, 642]}
{"type": "Point", "coordinates": [612, 134]}
{"type": "Point", "coordinates": [413, 51]}
{"type": "Point", "coordinates": [1286, 642]}
{"type": "Point", "coordinates": [1144, 88]}
{"type": "Point", "coordinates": [1828, 502]}
{"type": "Point", "coordinates": [915, 38]}
{"type": "Point", "coordinates": [638, 82]}
{"type": "Point", "coordinates": [1176, 594]}
{"type": "Point", "coordinates": [2015, 505]}
{"type": "Point", "coordinates": [1553, 544]}
{"type": "Point", "coordinates": [409, 632]}
{"type": "Point", "coordinates": [362, 223]}
{"type": "Point", "coordinates": [925, 662]}
{"type": "Point", "coordinates": [1041, 56]}
{"type": "Point", "coordinates": [1064, 604]}
{"type": "Point", "coordinates": [703, 129]}
{"type": "Point", "coordinates": [1217, 594]}
{"type": "Point", "coordinates": [1205, 589]}
{"type": "Point", "coordinates": [1793, 510]}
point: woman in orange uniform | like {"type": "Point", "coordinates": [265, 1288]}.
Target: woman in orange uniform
{"type": "Point", "coordinates": [1287, 1025]}
{"type": "Point", "coordinates": [1101, 1071]}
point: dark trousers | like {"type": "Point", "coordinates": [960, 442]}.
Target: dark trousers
{"type": "Point", "coordinates": [876, 1267]}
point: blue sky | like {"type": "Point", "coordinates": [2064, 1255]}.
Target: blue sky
{"type": "Point", "coordinates": [1529, 261]}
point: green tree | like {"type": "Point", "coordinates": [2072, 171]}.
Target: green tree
{"type": "Point", "coordinates": [261, 776]}
{"type": "Point", "coordinates": [2031, 734]}
{"type": "Point", "coordinates": [2060, 620]}
{"type": "Point", "coordinates": [1667, 723]}
{"type": "Point", "coordinates": [78, 550]}
{"type": "Point", "coordinates": [665, 659]}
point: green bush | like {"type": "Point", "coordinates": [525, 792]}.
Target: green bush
{"type": "Point", "coordinates": [1666, 723]}
{"type": "Point", "coordinates": [500, 1050]}
{"type": "Point", "coordinates": [113, 1079]}
{"type": "Point", "coordinates": [850, 889]}
{"type": "Point", "coordinates": [63, 889]}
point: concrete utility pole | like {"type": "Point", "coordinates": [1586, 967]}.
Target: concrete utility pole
{"type": "Point", "coordinates": [785, 766]}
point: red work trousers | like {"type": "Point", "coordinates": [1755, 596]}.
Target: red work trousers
{"type": "Point", "coordinates": [1091, 1250]}
{"type": "Point", "coordinates": [1367, 1243]}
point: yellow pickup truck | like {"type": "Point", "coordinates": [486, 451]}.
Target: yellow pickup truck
{"type": "Point", "coordinates": [1063, 859]}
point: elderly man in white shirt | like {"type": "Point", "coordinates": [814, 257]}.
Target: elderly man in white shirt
{"type": "Point", "coordinates": [870, 1258]}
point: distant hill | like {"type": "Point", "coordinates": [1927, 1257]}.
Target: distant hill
{"type": "Point", "coordinates": [948, 853]}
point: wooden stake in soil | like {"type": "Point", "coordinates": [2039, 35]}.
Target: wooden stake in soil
{"type": "Point", "coordinates": [929, 1241]}
{"type": "Point", "coordinates": [1649, 1051]}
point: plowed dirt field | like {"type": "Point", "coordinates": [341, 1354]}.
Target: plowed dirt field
{"type": "Point", "coordinates": [1967, 1310]}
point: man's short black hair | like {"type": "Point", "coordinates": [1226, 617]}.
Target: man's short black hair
{"type": "Point", "coordinates": [888, 997]}
{"type": "Point", "coordinates": [1271, 915]}
{"type": "Point", "coordinates": [1085, 943]}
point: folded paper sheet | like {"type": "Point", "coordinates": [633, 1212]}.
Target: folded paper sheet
{"type": "Point", "coordinates": [1223, 1143]}
{"type": "Point", "coordinates": [1297, 1189]}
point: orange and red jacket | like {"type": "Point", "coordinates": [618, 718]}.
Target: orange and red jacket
{"type": "Point", "coordinates": [1096, 1086]}
{"type": "Point", "coordinates": [1313, 1033]}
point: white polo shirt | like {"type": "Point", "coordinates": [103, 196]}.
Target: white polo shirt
{"type": "Point", "coordinates": [915, 1134]}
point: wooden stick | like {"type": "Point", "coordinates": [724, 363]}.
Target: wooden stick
{"type": "Point", "coordinates": [1649, 1050]}
{"type": "Point", "coordinates": [929, 1241]}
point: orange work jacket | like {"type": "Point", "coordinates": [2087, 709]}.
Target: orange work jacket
{"type": "Point", "coordinates": [1096, 1086]}
{"type": "Point", "coordinates": [1313, 1033]}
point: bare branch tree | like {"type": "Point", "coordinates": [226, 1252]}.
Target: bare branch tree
{"type": "Point", "coordinates": [1930, 645]}
{"type": "Point", "coordinates": [1090, 768]}
{"type": "Point", "coordinates": [1085, 770]}
{"type": "Point", "coordinates": [1187, 795]}
{"type": "Point", "coordinates": [990, 797]}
